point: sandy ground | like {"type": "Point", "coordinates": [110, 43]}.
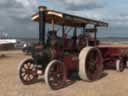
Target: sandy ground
{"type": "Point", "coordinates": [113, 84]}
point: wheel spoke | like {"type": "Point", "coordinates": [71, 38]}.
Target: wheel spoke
{"type": "Point", "coordinates": [30, 76]}
{"type": "Point", "coordinates": [33, 69]}
{"type": "Point", "coordinates": [25, 77]}
{"type": "Point", "coordinates": [94, 62]}
{"type": "Point", "coordinates": [92, 75]}
{"type": "Point", "coordinates": [25, 66]}
{"type": "Point", "coordinates": [59, 68]}
{"type": "Point", "coordinates": [28, 64]}
{"type": "Point", "coordinates": [23, 69]}
{"type": "Point", "coordinates": [23, 74]}
{"type": "Point", "coordinates": [31, 66]}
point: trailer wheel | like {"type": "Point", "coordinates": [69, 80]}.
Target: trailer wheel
{"type": "Point", "coordinates": [127, 64]}
{"type": "Point", "coordinates": [55, 75]}
{"type": "Point", "coordinates": [90, 64]}
{"type": "Point", "coordinates": [27, 71]}
{"type": "Point", "coordinates": [126, 61]}
{"type": "Point", "coordinates": [119, 65]}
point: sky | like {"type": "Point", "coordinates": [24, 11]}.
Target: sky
{"type": "Point", "coordinates": [15, 15]}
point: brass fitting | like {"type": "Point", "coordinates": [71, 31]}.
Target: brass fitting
{"type": "Point", "coordinates": [42, 8]}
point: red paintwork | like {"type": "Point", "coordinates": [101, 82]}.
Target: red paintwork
{"type": "Point", "coordinates": [56, 53]}
{"type": "Point", "coordinates": [68, 62]}
{"type": "Point", "coordinates": [119, 46]}
{"type": "Point", "coordinates": [110, 55]}
{"type": "Point", "coordinates": [110, 52]}
{"type": "Point", "coordinates": [39, 46]}
{"type": "Point", "coordinates": [71, 62]}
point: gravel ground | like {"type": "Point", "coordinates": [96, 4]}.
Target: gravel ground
{"type": "Point", "coordinates": [113, 84]}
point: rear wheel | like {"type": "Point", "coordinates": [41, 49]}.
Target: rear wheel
{"type": "Point", "coordinates": [55, 75]}
{"type": "Point", "coordinates": [27, 71]}
{"type": "Point", "coordinates": [90, 64]}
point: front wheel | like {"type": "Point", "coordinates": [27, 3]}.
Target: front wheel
{"type": "Point", "coordinates": [55, 75]}
{"type": "Point", "coordinates": [27, 71]}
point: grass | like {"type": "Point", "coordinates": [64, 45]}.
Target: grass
{"type": "Point", "coordinates": [2, 56]}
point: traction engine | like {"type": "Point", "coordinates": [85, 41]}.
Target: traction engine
{"type": "Point", "coordinates": [58, 57]}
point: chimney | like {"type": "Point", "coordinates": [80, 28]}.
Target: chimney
{"type": "Point", "coordinates": [42, 10]}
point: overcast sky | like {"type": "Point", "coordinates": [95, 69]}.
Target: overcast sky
{"type": "Point", "coordinates": [15, 15]}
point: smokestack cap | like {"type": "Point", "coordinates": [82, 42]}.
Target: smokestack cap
{"type": "Point", "coordinates": [42, 8]}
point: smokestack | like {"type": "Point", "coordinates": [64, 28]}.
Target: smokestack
{"type": "Point", "coordinates": [42, 10]}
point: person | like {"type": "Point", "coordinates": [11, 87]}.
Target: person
{"type": "Point", "coordinates": [52, 38]}
{"type": "Point", "coordinates": [65, 38]}
{"type": "Point", "coordinates": [74, 38]}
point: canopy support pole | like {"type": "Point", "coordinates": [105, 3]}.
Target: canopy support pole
{"type": "Point", "coordinates": [95, 36]}
{"type": "Point", "coordinates": [63, 34]}
{"type": "Point", "coordinates": [53, 24]}
{"type": "Point", "coordinates": [84, 25]}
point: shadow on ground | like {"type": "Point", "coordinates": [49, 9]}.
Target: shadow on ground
{"type": "Point", "coordinates": [71, 80]}
{"type": "Point", "coordinates": [104, 74]}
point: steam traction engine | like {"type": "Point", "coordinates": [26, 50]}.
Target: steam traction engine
{"type": "Point", "coordinates": [57, 57]}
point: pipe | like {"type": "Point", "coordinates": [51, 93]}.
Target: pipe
{"type": "Point", "coordinates": [95, 36]}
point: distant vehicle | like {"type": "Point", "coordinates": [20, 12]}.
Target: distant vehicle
{"type": "Point", "coordinates": [19, 44]}
{"type": "Point", "coordinates": [6, 44]}
{"type": "Point", "coordinates": [27, 48]}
